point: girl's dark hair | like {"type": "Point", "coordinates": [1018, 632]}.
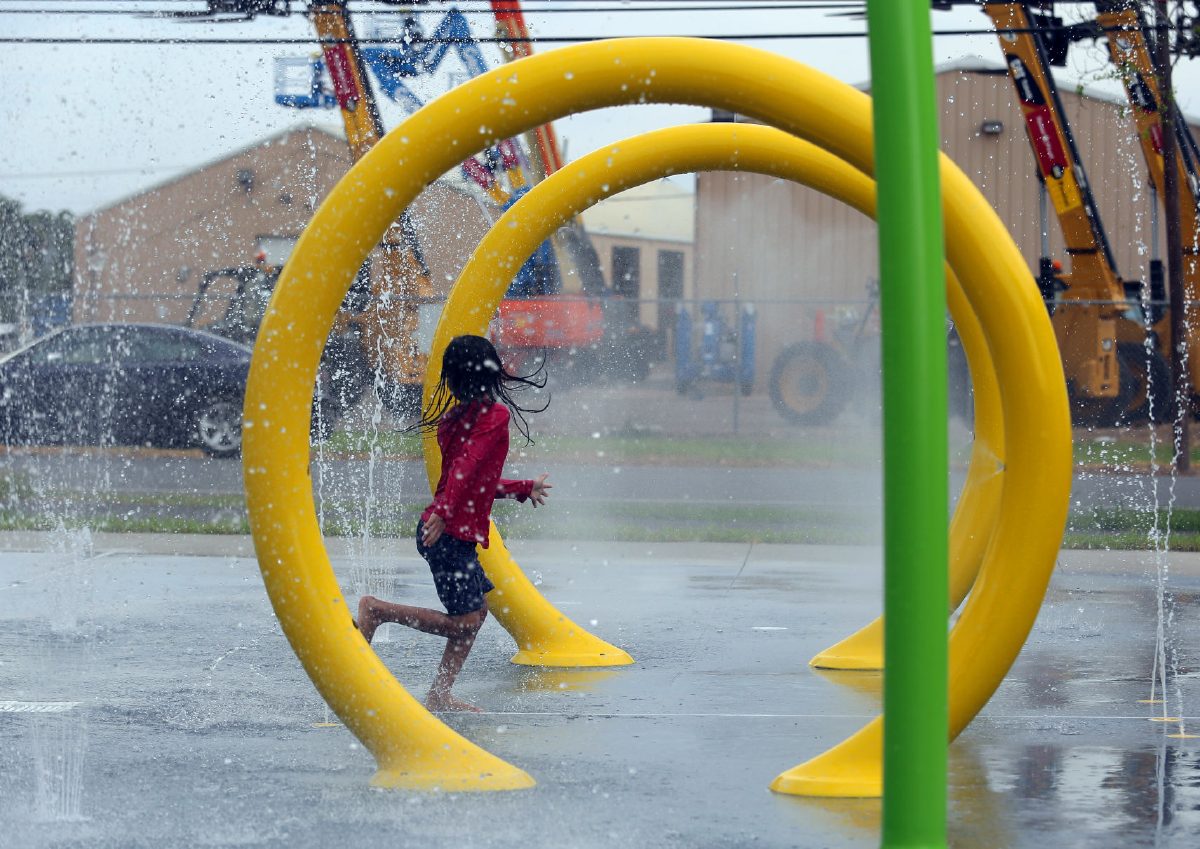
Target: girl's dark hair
{"type": "Point", "coordinates": [472, 371]}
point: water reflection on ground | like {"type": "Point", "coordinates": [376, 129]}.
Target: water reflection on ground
{"type": "Point", "coordinates": [152, 700]}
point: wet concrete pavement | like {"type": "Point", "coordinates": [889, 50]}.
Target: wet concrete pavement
{"type": "Point", "coordinates": [181, 718]}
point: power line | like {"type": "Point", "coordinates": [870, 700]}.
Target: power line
{"type": "Point", "coordinates": [580, 10]}
{"type": "Point", "coordinates": [542, 39]}
{"type": "Point", "coordinates": [481, 5]}
{"type": "Point", "coordinates": [552, 39]}
{"type": "Point", "coordinates": [535, 6]}
{"type": "Point", "coordinates": [585, 6]}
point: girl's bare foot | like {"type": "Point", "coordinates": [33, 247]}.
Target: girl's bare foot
{"type": "Point", "coordinates": [446, 702]}
{"type": "Point", "coordinates": [367, 623]}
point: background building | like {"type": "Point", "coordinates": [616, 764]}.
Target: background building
{"type": "Point", "coordinates": [806, 262]}
{"type": "Point", "coordinates": [142, 259]}
{"type": "Point", "coordinates": [644, 238]}
{"type": "Point", "coordinates": [813, 260]}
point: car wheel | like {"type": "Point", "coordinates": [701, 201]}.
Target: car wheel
{"type": "Point", "coordinates": [218, 427]}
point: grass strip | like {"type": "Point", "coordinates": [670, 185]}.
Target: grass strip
{"type": "Point", "coordinates": [1126, 541]}
{"type": "Point", "coordinates": [1110, 529]}
{"type": "Point", "coordinates": [1126, 451]}
{"type": "Point", "coordinates": [639, 448]}
{"type": "Point", "coordinates": [1121, 451]}
{"type": "Point", "coordinates": [23, 508]}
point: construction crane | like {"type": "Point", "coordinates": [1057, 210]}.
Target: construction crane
{"type": "Point", "coordinates": [1144, 335]}
{"type": "Point", "coordinates": [399, 278]}
{"type": "Point", "coordinates": [1125, 32]}
{"type": "Point", "coordinates": [376, 332]}
{"type": "Point", "coordinates": [300, 83]}
{"type": "Point", "coordinates": [590, 332]}
{"type": "Point", "coordinates": [374, 338]}
{"type": "Point", "coordinates": [604, 336]}
{"type": "Point", "coordinates": [1106, 309]}
{"type": "Point", "coordinates": [510, 24]}
{"type": "Point", "coordinates": [1089, 302]}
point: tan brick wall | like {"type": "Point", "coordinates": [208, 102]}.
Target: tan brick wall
{"type": "Point", "coordinates": [142, 259]}
{"type": "Point", "coordinates": [783, 242]}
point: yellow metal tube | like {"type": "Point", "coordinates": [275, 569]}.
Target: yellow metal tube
{"type": "Point", "coordinates": [755, 149]}
{"type": "Point", "coordinates": [502, 104]}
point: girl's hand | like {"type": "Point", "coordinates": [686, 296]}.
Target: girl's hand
{"type": "Point", "coordinates": [433, 528]}
{"type": "Point", "coordinates": [541, 490]}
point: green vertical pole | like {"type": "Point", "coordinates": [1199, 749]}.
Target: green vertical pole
{"type": "Point", "coordinates": [915, 450]}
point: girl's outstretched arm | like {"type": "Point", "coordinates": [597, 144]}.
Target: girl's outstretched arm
{"type": "Point", "coordinates": [525, 490]}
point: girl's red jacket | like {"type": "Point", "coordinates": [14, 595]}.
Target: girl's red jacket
{"type": "Point", "coordinates": [474, 442]}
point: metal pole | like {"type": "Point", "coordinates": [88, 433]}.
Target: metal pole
{"type": "Point", "coordinates": [916, 467]}
{"type": "Point", "coordinates": [1155, 253]}
{"type": "Point", "coordinates": [1175, 282]}
{"type": "Point", "coordinates": [737, 353]}
{"type": "Point", "coordinates": [1044, 215]}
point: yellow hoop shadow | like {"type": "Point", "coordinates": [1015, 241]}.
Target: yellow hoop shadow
{"type": "Point", "coordinates": [413, 748]}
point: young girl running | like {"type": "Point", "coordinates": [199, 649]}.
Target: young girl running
{"type": "Point", "coordinates": [470, 411]}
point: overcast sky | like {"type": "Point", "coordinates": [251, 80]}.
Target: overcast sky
{"type": "Point", "coordinates": [84, 125]}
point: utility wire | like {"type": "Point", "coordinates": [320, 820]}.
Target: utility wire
{"type": "Point", "coordinates": [527, 6]}
{"type": "Point", "coordinates": [356, 12]}
{"type": "Point", "coordinates": [541, 39]}
{"type": "Point", "coordinates": [552, 39]}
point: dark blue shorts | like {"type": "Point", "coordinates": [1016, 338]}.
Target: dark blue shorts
{"type": "Point", "coordinates": [460, 581]}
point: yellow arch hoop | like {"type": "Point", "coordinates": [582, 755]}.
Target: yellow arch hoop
{"type": "Point", "coordinates": [756, 149]}
{"type": "Point", "coordinates": [737, 147]}
{"type": "Point", "coordinates": [413, 749]}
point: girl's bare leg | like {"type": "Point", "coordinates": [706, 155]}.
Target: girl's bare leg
{"type": "Point", "coordinates": [373, 612]}
{"type": "Point", "coordinates": [453, 658]}
{"type": "Point", "coordinates": [459, 632]}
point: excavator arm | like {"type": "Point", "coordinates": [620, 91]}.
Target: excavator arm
{"type": "Point", "coordinates": [1125, 30]}
{"type": "Point", "coordinates": [1126, 35]}
{"type": "Point", "coordinates": [1085, 321]}
{"type": "Point", "coordinates": [510, 23]}
{"type": "Point", "coordinates": [387, 326]}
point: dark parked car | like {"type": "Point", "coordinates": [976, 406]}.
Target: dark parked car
{"type": "Point", "coordinates": [126, 384]}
